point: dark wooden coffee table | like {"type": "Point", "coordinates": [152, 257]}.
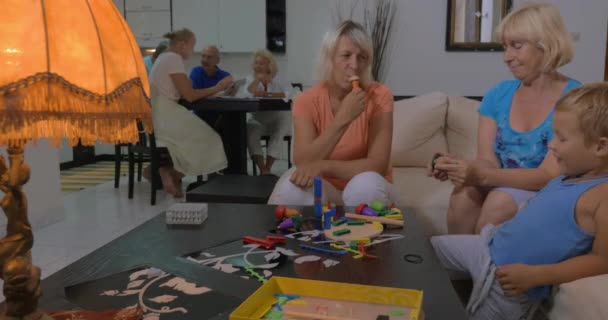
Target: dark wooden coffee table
{"type": "Point", "coordinates": [156, 244]}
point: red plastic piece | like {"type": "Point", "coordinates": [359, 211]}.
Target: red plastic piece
{"type": "Point", "coordinates": [276, 239]}
{"type": "Point", "coordinates": [280, 212]}
{"type": "Point", "coordinates": [262, 242]}
{"type": "Point", "coordinates": [360, 208]}
{"type": "Point", "coordinates": [362, 250]}
{"type": "Point", "coordinates": [362, 247]}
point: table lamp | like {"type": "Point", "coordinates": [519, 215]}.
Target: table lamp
{"type": "Point", "coordinates": [70, 69]}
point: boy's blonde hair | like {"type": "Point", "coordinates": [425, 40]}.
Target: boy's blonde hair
{"type": "Point", "coordinates": [357, 34]}
{"type": "Point", "coordinates": [272, 62]}
{"type": "Point", "coordinates": [590, 103]}
{"type": "Point", "coordinates": [542, 25]}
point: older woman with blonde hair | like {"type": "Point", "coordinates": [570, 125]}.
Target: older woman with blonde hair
{"type": "Point", "coordinates": [342, 132]}
{"type": "Point", "coordinates": [515, 119]}
{"type": "Point", "coordinates": [265, 82]}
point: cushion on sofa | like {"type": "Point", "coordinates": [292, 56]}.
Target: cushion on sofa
{"type": "Point", "coordinates": [462, 123]}
{"type": "Point", "coordinates": [581, 299]}
{"type": "Point", "coordinates": [427, 197]}
{"type": "Point", "coordinates": [418, 129]}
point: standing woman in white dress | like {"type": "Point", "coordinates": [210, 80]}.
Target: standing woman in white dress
{"type": "Point", "coordinates": [265, 82]}
{"type": "Point", "coordinates": [195, 148]}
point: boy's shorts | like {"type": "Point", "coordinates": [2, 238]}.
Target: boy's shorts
{"type": "Point", "coordinates": [471, 254]}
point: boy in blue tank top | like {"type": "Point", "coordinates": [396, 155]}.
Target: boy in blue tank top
{"type": "Point", "coordinates": [560, 235]}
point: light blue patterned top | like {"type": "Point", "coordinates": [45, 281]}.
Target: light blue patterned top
{"type": "Point", "coordinates": [148, 62]}
{"type": "Point", "coordinates": [515, 149]}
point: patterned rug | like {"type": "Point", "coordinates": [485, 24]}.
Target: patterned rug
{"type": "Point", "coordinates": [90, 175]}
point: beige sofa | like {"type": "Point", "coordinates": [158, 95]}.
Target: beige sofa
{"type": "Point", "coordinates": [435, 122]}
{"type": "Point", "coordinates": [422, 126]}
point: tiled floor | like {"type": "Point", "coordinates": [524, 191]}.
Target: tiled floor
{"type": "Point", "coordinates": [94, 217]}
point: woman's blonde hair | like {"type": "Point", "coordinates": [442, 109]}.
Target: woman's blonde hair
{"type": "Point", "coordinates": [357, 34]}
{"type": "Point", "coordinates": [542, 25]}
{"type": "Point", "coordinates": [177, 36]}
{"type": "Point", "coordinates": [590, 103]}
{"type": "Point", "coordinates": [272, 62]}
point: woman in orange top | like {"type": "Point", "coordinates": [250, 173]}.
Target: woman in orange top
{"type": "Point", "coordinates": [342, 134]}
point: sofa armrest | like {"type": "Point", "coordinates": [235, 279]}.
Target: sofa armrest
{"type": "Point", "coordinates": [581, 299]}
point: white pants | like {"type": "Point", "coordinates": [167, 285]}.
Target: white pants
{"type": "Point", "coordinates": [276, 124]}
{"type": "Point", "coordinates": [362, 188]}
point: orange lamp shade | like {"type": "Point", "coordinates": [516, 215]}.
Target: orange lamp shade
{"type": "Point", "coordinates": [70, 69]}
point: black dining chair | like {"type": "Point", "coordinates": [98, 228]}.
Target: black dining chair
{"type": "Point", "coordinates": [118, 158]}
{"type": "Point", "coordinates": [146, 148]}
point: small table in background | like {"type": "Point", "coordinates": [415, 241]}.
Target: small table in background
{"type": "Point", "coordinates": [234, 114]}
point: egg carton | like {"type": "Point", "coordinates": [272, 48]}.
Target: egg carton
{"type": "Point", "coordinates": [187, 213]}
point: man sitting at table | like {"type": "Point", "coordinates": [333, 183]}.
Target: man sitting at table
{"type": "Point", "coordinates": [210, 76]}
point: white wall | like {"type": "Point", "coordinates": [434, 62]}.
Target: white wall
{"type": "Point", "coordinates": [307, 22]}
{"type": "Point", "coordinates": [43, 191]}
{"type": "Point", "coordinates": [588, 20]}
{"type": "Point", "coordinates": [120, 4]}
{"type": "Point", "coordinates": [419, 62]}
{"type": "Point", "coordinates": [66, 153]}
{"type": "Point", "coordinates": [101, 148]}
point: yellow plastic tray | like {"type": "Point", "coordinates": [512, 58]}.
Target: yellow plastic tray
{"type": "Point", "coordinates": [260, 302]}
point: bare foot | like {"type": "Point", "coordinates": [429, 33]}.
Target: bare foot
{"type": "Point", "coordinates": [168, 181]}
{"type": "Point", "coordinates": [179, 194]}
{"type": "Point", "coordinates": [178, 186]}
{"type": "Point", "coordinates": [177, 177]}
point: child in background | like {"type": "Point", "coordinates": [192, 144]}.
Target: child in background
{"type": "Point", "coordinates": [560, 235]}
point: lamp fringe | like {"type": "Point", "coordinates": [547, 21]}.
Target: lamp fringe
{"type": "Point", "coordinates": [46, 106]}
